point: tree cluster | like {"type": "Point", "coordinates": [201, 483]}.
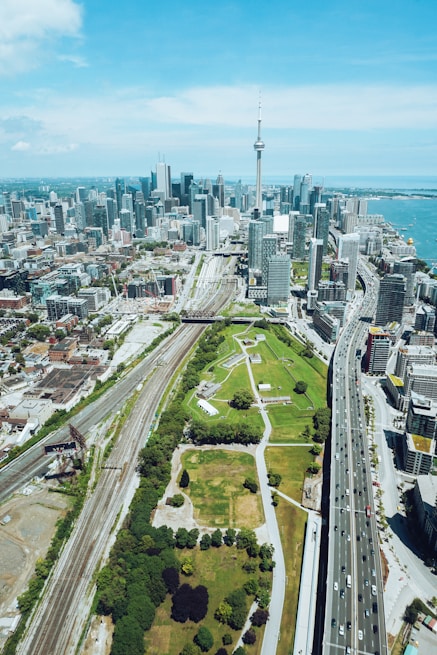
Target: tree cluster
{"type": "Point", "coordinates": [322, 424]}
{"type": "Point", "coordinates": [206, 353]}
{"type": "Point", "coordinates": [274, 479]}
{"type": "Point", "coordinates": [251, 484]}
{"type": "Point", "coordinates": [242, 399]}
{"type": "Point", "coordinates": [223, 432]}
{"type": "Point", "coordinates": [189, 603]}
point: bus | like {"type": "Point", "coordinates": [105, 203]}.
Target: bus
{"type": "Point", "coordinates": [349, 581]}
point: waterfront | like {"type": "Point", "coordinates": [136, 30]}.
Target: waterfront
{"type": "Point", "coordinates": [418, 216]}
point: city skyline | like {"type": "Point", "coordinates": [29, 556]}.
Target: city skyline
{"type": "Point", "coordinates": [345, 90]}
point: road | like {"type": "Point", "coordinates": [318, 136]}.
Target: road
{"type": "Point", "coordinates": [354, 617]}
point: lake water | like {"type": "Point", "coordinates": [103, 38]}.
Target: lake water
{"type": "Point", "coordinates": [419, 217]}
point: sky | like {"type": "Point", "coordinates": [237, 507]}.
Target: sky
{"type": "Point", "coordinates": [110, 88]}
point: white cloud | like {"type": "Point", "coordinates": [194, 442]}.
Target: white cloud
{"type": "Point", "coordinates": [27, 25]}
{"type": "Point", "coordinates": [309, 121]}
{"type": "Point", "coordinates": [79, 62]}
{"type": "Point", "coordinates": [21, 146]}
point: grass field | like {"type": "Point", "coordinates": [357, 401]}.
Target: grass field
{"type": "Point", "coordinates": [220, 570]}
{"type": "Point", "coordinates": [288, 422]}
{"type": "Point", "coordinates": [242, 309]}
{"type": "Point", "coordinates": [291, 463]}
{"type": "Point", "coordinates": [216, 488]}
{"type": "Point", "coordinates": [291, 521]}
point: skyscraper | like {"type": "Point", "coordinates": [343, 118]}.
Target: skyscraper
{"type": "Point", "coordinates": [391, 296]}
{"type": "Point", "coordinates": [278, 279]}
{"type": "Point", "coordinates": [163, 179]}
{"type": "Point", "coordinates": [349, 248]}
{"type": "Point", "coordinates": [269, 247]}
{"type": "Point", "coordinates": [59, 219]}
{"type": "Point", "coordinates": [258, 147]}
{"type": "Point", "coordinates": [299, 236]}
{"type": "Point", "coordinates": [254, 246]}
{"type": "Point", "coordinates": [315, 263]}
{"type": "Point", "coordinates": [407, 268]}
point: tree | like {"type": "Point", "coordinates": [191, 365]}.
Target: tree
{"type": "Point", "coordinates": [205, 542]}
{"type": "Point", "coordinates": [177, 500]}
{"type": "Point", "coordinates": [204, 639]}
{"type": "Point", "coordinates": [217, 538]}
{"type": "Point", "coordinates": [245, 538]}
{"type": "Point", "coordinates": [170, 576]}
{"type": "Point", "coordinates": [301, 386]}
{"type": "Point", "coordinates": [316, 449]}
{"type": "Point", "coordinates": [185, 479]}
{"type": "Point", "coordinates": [223, 613]}
{"type": "Point", "coordinates": [242, 399]}
{"type": "Point", "coordinates": [227, 639]}
{"type": "Point", "coordinates": [259, 617]}
{"type": "Point", "coordinates": [274, 479]}
{"type": "Point", "coordinates": [249, 637]}
{"type": "Point", "coordinates": [313, 468]}
{"type": "Point", "coordinates": [240, 651]}
{"type": "Point", "coordinates": [128, 637]}
{"type": "Point", "coordinates": [38, 331]}
{"type": "Point", "coordinates": [250, 484]}
{"type": "Point", "coordinates": [230, 535]}
{"type": "Point", "coordinates": [187, 566]}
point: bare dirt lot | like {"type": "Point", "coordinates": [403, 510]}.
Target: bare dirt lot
{"type": "Point", "coordinates": [27, 525]}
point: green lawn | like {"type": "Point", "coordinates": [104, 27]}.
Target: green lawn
{"type": "Point", "coordinates": [236, 378]}
{"type": "Point", "coordinates": [220, 570]}
{"type": "Point", "coordinates": [288, 422]}
{"type": "Point", "coordinates": [242, 309]}
{"type": "Point", "coordinates": [291, 462]}
{"type": "Point", "coordinates": [291, 521]}
{"type": "Point", "coordinates": [219, 499]}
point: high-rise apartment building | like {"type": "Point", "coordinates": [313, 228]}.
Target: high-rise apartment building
{"type": "Point", "coordinates": [378, 351]}
{"type": "Point", "coordinates": [391, 297]}
{"type": "Point", "coordinates": [299, 236]}
{"type": "Point", "coordinates": [278, 279]}
{"type": "Point", "coordinates": [269, 248]}
{"type": "Point", "coordinates": [349, 248]}
{"type": "Point", "coordinates": [407, 268]}
{"type": "Point", "coordinates": [315, 263]}
{"type": "Point", "coordinates": [59, 219]}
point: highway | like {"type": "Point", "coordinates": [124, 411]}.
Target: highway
{"type": "Point", "coordinates": [354, 617]}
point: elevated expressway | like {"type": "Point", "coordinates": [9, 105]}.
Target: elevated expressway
{"type": "Point", "coordinates": [354, 612]}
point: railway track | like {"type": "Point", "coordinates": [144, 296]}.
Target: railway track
{"type": "Point", "coordinates": [59, 619]}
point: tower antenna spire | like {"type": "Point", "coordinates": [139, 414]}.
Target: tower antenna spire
{"type": "Point", "coordinates": [258, 147]}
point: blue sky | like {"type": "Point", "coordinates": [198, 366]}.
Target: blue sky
{"type": "Point", "coordinates": [106, 88]}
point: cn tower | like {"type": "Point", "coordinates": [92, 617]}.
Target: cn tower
{"type": "Point", "coordinates": [258, 147]}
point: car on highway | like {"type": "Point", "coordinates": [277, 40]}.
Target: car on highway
{"type": "Point", "coordinates": [360, 635]}
{"type": "Point", "coordinates": [341, 593]}
{"type": "Point", "coordinates": [373, 590]}
{"type": "Point", "coordinates": [349, 625]}
{"type": "Point", "coordinates": [366, 582]}
{"type": "Point", "coordinates": [341, 630]}
{"type": "Point", "coordinates": [366, 613]}
{"type": "Point", "coordinates": [333, 623]}
{"type": "Point", "coordinates": [336, 586]}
